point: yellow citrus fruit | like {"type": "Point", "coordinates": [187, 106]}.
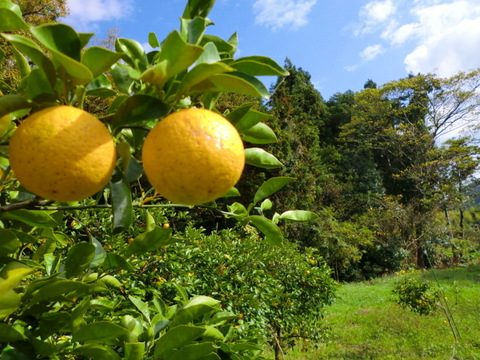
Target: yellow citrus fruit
{"type": "Point", "coordinates": [193, 156]}
{"type": "Point", "coordinates": [62, 153]}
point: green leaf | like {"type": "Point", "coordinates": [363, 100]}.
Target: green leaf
{"type": "Point", "coordinates": [134, 351]}
{"type": "Point", "coordinates": [121, 204]}
{"type": "Point", "coordinates": [223, 47]}
{"type": "Point", "coordinates": [298, 215]}
{"type": "Point", "coordinates": [121, 76]}
{"type": "Point", "coordinates": [233, 42]}
{"type": "Point", "coordinates": [262, 159]}
{"type": "Point", "coordinates": [11, 16]}
{"type": "Point", "coordinates": [177, 337]}
{"type": "Point", "coordinates": [259, 134]}
{"type": "Point", "coordinates": [201, 72]}
{"type": "Point", "coordinates": [140, 305]}
{"type": "Point", "coordinates": [10, 276]}
{"type": "Point", "coordinates": [175, 57]}
{"type": "Point", "coordinates": [99, 332]}
{"type": "Point", "coordinates": [192, 30]}
{"type": "Point", "coordinates": [40, 219]}
{"type": "Point", "coordinates": [250, 119]}
{"type": "Point", "coordinates": [153, 40]}
{"type": "Point", "coordinates": [9, 242]}
{"type": "Point", "coordinates": [266, 205]}
{"type": "Point", "coordinates": [133, 53]}
{"type": "Point", "coordinates": [271, 231]}
{"type": "Point", "coordinates": [21, 63]}
{"type": "Point", "coordinates": [210, 55]}
{"type": "Point", "coordinates": [84, 38]}
{"type": "Point", "coordinates": [200, 8]}
{"type": "Point", "coordinates": [65, 46]}
{"type": "Point", "coordinates": [79, 258]}
{"type": "Point", "coordinates": [150, 241]}
{"type": "Point", "coordinates": [101, 87]}
{"type": "Point", "coordinates": [270, 187]}
{"type": "Point", "coordinates": [9, 333]}
{"type": "Point", "coordinates": [191, 352]}
{"type": "Point", "coordinates": [258, 66]}
{"type": "Point", "coordinates": [47, 248]}
{"type": "Point", "coordinates": [97, 352]}
{"type": "Point", "coordinates": [137, 109]}
{"type": "Point", "coordinates": [233, 192]}
{"type": "Point", "coordinates": [11, 103]}
{"type": "Point", "coordinates": [238, 209]}
{"type": "Point", "coordinates": [35, 54]}
{"type": "Point", "coordinates": [53, 288]}
{"type": "Point", "coordinates": [195, 309]}
{"type": "Point", "coordinates": [233, 82]}
{"type": "Point", "coordinates": [116, 262]}
{"type": "Point", "coordinates": [99, 59]}
{"type": "Point", "coordinates": [100, 254]}
{"type": "Point", "coordinates": [38, 87]}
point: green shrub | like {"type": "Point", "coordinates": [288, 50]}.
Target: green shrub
{"type": "Point", "coordinates": [419, 296]}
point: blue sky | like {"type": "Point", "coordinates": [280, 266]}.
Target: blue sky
{"type": "Point", "coordinates": [341, 43]}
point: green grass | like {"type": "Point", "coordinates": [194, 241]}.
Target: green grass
{"type": "Point", "coordinates": [366, 323]}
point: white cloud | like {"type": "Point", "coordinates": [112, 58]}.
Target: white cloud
{"type": "Point", "coordinates": [443, 35]}
{"type": "Point", "coordinates": [277, 14]}
{"type": "Point", "coordinates": [371, 52]}
{"type": "Point", "coordinates": [85, 12]}
{"type": "Point", "coordinates": [374, 14]}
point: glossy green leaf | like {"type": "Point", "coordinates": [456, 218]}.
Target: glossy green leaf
{"type": "Point", "coordinates": [137, 109]}
{"type": "Point", "coordinates": [200, 8]}
{"type": "Point", "coordinates": [41, 219]}
{"type": "Point", "coordinates": [84, 38]}
{"type": "Point", "coordinates": [11, 103]}
{"type": "Point", "coordinates": [101, 87]}
{"type": "Point", "coordinates": [56, 287]}
{"type": "Point", "coordinates": [99, 332]}
{"type": "Point", "coordinates": [34, 53]}
{"type": "Point", "coordinates": [239, 112]}
{"type": "Point", "coordinates": [233, 192]}
{"type": "Point", "coordinates": [134, 351]}
{"type": "Point", "coordinates": [10, 276]}
{"type": "Point", "coordinates": [223, 47]}
{"type": "Point", "coordinates": [79, 258]}
{"type": "Point", "coordinates": [262, 159]}
{"type": "Point", "coordinates": [200, 73]}
{"type": "Point", "coordinates": [153, 40]}
{"type": "Point", "coordinates": [121, 203]}
{"type": "Point", "coordinates": [260, 133]}
{"type": "Point", "coordinates": [21, 63]}
{"type": "Point", "coordinates": [60, 38]}
{"type": "Point", "coordinates": [233, 82]}
{"type": "Point", "coordinates": [237, 209]}
{"type": "Point", "coordinates": [195, 309]}
{"type": "Point", "coordinates": [266, 205]}
{"type": "Point", "coordinates": [121, 76]}
{"type": "Point", "coordinates": [191, 352]}
{"type": "Point", "coordinates": [298, 215]}
{"type": "Point", "coordinates": [258, 66]}
{"type": "Point", "coordinates": [65, 46]}
{"type": "Point", "coordinates": [151, 240]}
{"type": "Point", "coordinates": [177, 337]}
{"type": "Point", "coordinates": [192, 30]}
{"type": "Point", "coordinates": [46, 248]}
{"type": "Point", "coordinates": [9, 334]}
{"type": "Point", "coordinates": [97, 352]}
{"type": "Point", "coordinates": [250, 119]}
{"type": "Point", "coordinates": [270, 187]}
{"type": "Point", "coordinates": [210, 55]}
{"type": "Point", "coordinates": [141, 306]}
{"type": "Point", "coordinates": [271, 231]}
{"type": "Point", "coordinates": [9, 242]}
{"type": "Point", "coordinates": [233, 42]}
{"type": "Point", "coordinates": [133, 53]}
{"type": "Point", "coordinates": [99, 255]}
{"type": "Point", "coordinates": [11, 16]}
{"type": "Point", "coordinates": [38, 87]}
{"type": "Point", "coordinates": [175, 57]}
{"type": "Point", "coordinates": [116, 262]}
{"type": "Point", "coordinates": [99, 59]}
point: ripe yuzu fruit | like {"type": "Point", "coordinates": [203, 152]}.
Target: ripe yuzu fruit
{"type": "Point", "coordinates": [193, 156]}
{"type": "Point", "coordinates": [62, 153]}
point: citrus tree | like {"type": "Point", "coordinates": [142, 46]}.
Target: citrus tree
{"type": "Point", "coordinates": [73, 188]}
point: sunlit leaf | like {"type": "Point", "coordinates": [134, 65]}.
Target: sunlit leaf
{"type": "Point", "coordinates": [270, 187]}
{"type": "Point", "coordinates": [260, 133]}
{"type": "Point", "coordinates": [271, 231]}
{"type": "Point", "coordinates": [11, 16]}
{"type": "Point", "coordinates": [258, 66]}
{"type": "Point", "coordinates": [99, 59]}
{"type": "Point", "coordinates": [177, 337]}
{"type": "Point", "coordinates": [99, 332]}
{"type": "Point", "coordinates": [298, 215]}
{"type": "Point", "coordinates": [79, 258]}
{"type": "Point", "coordinates": [121, 203]}
{"type": "Point", "coordinates": [262, 159]}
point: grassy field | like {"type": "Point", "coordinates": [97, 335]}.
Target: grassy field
{"type": "Point", "coordinates": [366, 322]}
